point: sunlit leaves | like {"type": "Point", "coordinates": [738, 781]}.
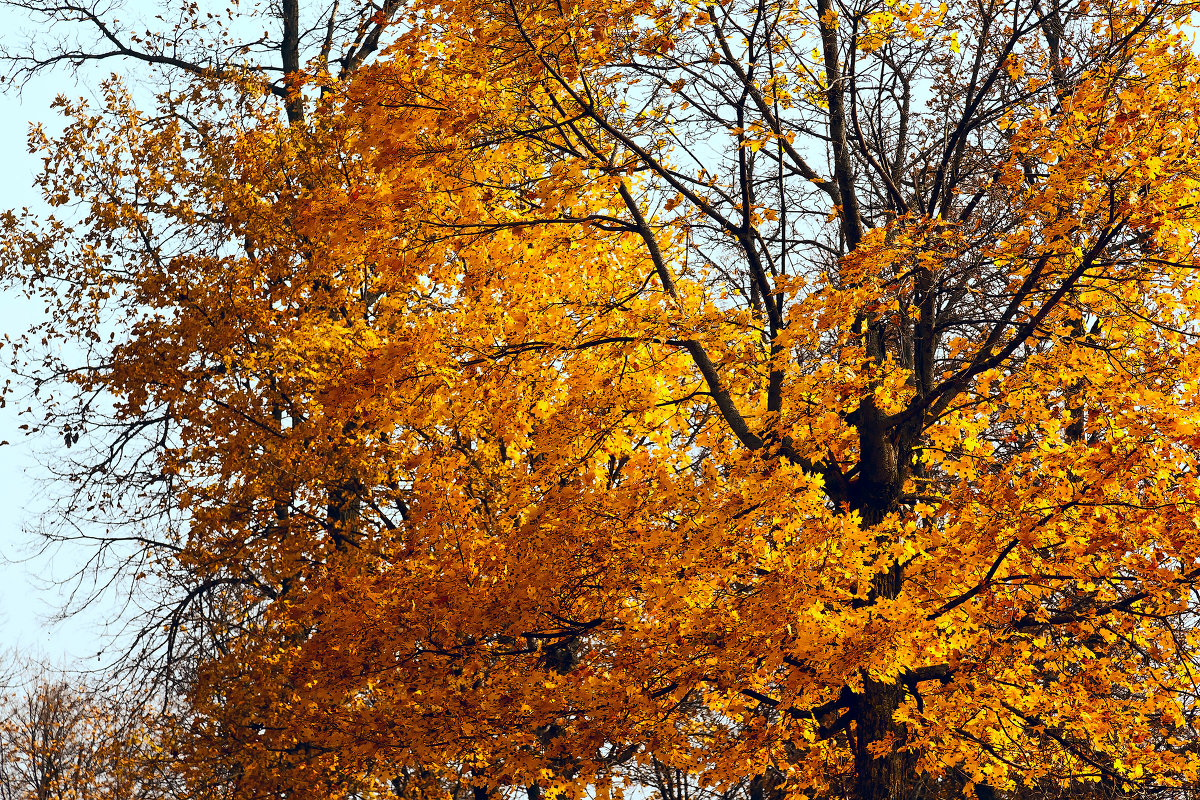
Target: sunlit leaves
{"type": "Point", "coordinates": [515, 447]}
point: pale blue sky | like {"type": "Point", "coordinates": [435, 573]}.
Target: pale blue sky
{"type": "Point", "coordinates": [27, 599]}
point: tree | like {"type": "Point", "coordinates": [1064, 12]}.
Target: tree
{"type": "Point", "coordinates": [799, 397]}
{"type": "Point", "coordinates": [63, 740]}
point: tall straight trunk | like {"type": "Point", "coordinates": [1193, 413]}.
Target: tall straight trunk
{"type": "Point", "coordinates": [890, 776]}
{"type": "Point", "coordinates": [888, 773]}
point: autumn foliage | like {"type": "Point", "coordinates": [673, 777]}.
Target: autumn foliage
{"type": "Point", "coordinates": [61, 739]}
{"type": "Point", "coordinates": [801, 398]}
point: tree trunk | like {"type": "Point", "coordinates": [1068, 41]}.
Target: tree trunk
{"type": "Point", "coordinates": [889, 773]}
{"type": "Point", "coordinates": [890, 776]}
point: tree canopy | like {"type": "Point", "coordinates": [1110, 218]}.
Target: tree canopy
{"type": "Point", "coordinates": [517, 395]}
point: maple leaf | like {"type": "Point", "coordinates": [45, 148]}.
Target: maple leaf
{"type": "Point", "coordinates": [516, 428]}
